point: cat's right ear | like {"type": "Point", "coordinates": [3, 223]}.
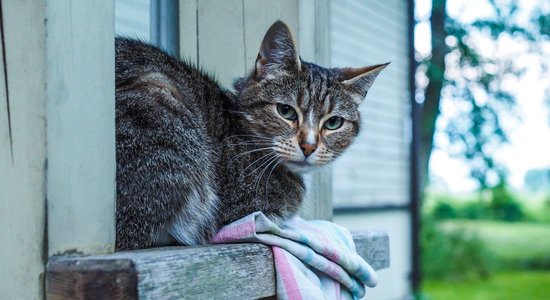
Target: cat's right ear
{"type": "Point", "coordinates": [278, 53]}
{"type": "Point", "coordinates": [359, 80]}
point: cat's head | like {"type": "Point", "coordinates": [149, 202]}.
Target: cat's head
{"type": "Point", "coordinates": [306, 114]}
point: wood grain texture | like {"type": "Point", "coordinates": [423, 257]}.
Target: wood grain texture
{"type": "Point", "coordinates": [259, 15]}
{"type": "Point", "coordinates": [23, 158]}
{"type": "Point", "coordinates": [233, 271]}
{"type": "Point", "coordinates": [188, 30]}
{"type": "Point", "coordinates": [221, 39]}
{"type": "Point", "coordinates": [80, 117]}
{"type": "Point", "coordinates": [206, 272]}
{"type": "Point", "coordinates": [91, 279]}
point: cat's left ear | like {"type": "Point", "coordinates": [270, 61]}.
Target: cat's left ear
{"type": "Point", "coordinates": [278, 53]}
{"type": "Point", "coordinates": [359, 80]}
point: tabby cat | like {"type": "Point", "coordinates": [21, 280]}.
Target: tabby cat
{"type": "Point", "coordinates": [192, 156]}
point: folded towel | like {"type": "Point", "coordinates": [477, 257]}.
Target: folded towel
{"type": "Point", "coordinates": [313, 259]}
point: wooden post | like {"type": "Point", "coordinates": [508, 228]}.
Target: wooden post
{"type": "Point", "coordinates": [80, 117]}
{"type": "Point", "coordinates": [22, 149]}
{"type": "Point", "coordinates": [57, 144]}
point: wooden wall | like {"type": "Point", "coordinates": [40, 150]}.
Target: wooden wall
{"type": "Point", "coordinates": [57, 150]}
{"type": "Point", "coordinates": [132, 18]}
{"type": "Point", "coordinates": [22, 150]}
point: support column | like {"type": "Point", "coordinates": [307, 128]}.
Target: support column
{"type": "Point", "coordinates": [57, 136]}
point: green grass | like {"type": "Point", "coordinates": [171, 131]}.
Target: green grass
{"type": "Point", "coordinates": [524, 285]}
{"type": "Point", "coordinates": [512, 243]}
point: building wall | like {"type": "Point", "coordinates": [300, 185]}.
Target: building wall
{"type": "Point", "coordinates": [375, 169]}
{"type": "Point", "coordinates": [132, 18]}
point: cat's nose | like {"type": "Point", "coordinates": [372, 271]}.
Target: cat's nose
{"type": "Point", "coordinates": [308, 148]}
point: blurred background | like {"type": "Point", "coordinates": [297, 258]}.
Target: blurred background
{"type": "Point", "coordinates": [454, 156]}
{"type": "Point", "coordinates": [483, 82]}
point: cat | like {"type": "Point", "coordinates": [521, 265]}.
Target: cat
{"type": "Point", "coordinates": [192, 156]}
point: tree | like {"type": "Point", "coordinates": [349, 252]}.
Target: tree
{"type": "Point", "coordinates": [459, 70]}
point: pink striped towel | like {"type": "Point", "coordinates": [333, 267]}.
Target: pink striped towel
{"type": "Point", "coordinates": [313, 259]}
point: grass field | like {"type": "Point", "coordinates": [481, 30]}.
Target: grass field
{"type": "Point", "coordinates": [517, 247]}
{"type": "Point", "coordinates": [512, 243]}
{"type": "Point", "coordinates": [516, 285]}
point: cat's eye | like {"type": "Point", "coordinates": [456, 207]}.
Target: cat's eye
{"type": "Point", "coordinates": [334, 123]}
{"type": "Point", "coordinates": [287, 112]}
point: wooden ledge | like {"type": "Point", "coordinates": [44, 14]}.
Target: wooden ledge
{"type": "Point", "coordinates": [238, 271]}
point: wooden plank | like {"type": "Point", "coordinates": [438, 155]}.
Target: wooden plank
{"type": "Point", "coordinates": [259, 15]}
{"type": "Point", "coordinates": [5, 122]}
{"type": "Point", "coordinates": [189, 30]}
{"type": "Point", "coordinates": [229, 271]}
{"type": "Point", "coordinates": [91, 279]}
{"type": "Point", "coordinates": [80, 115]}
{"type": "Point", "coordinates": [132, 18]}
{"type": "Point", "coordinates": [59, 70]}
{"type": "Point", "coordinates": [22, 180]}
{"type": "Point", "coordinates": [205, 272]}
{"type": "Point", "coordinates": [221, 39]}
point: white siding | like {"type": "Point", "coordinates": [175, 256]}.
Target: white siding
{"type": "Point", "coordinates": [374, 170]}
{"type": "Point", "coordinates": [132, 18]}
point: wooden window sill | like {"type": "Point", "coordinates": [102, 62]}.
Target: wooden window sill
{"type": "Point", "coordinates": [238, 271]}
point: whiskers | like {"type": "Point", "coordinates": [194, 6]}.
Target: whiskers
{"type": "Point", "coordinates": [264, 160]}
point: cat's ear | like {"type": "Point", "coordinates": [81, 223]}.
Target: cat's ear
{"type": "Point", "coordinates": [359, 80]}
{"type": "Point", "coordinates": [278, 53]}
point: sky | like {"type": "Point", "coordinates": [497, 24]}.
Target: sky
{"type": "Point", "coordinates": [529, 146]}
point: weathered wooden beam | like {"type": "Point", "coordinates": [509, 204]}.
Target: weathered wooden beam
{"type": "Point", "coordinates": [57, 136]}
{"type": "Point", "coordinates": [238, 271]}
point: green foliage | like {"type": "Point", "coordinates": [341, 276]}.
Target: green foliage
{"type": "Point", "coordinates": [504, 206]}
{"type": "Point", "coordinates": [474, 210]}
{"type": "Point", "coordinates": [476, 81]}
{"type": "Point", "coordinates": [444, 211]}
{"type": "Point", "coordinates": [453, 254]}
{"type": "Point", "coordinates": [520, 245]}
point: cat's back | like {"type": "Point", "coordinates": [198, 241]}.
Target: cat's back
{"type": "Point", "coordinates": [137, 61]}
{"type": "Point", "coordinates": [163, 80]}
{"type": "Point", "coordinates": [165, 153]}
